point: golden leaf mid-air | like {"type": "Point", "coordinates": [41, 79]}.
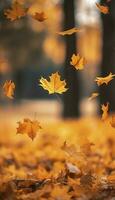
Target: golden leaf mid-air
{"type": "Point", "coordinates": [54, 85]}
{"type": "Point", "coordinates": [93, 95]}
{"type": "Point", "coordinates": [112, 121]}
{"type": "Point", "coordinates": [103, 9]}
{"type": "Point", "coordinates": [16, 11]}
{"type": "Point", "coordinates": [39, 16]}
{"type": "Point", "coordinates": [29, 127]}
{"type": "Point", "coordinates": [77, 61]}
{"type": "Point", "coordinates": [106, 79]}
{"type": "Point", "coordinates": [9, 88]}
{"type": "Point", "coordinates": [70, 31]}
{"type": "Point", "coordinates": [105, 109]}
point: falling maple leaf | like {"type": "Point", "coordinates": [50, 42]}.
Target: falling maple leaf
{"type": "Point", "coordinates": [54, 85]}
{"type": "Point", "coordinates": [9, 88]}
{"type": "Point", "coordinates": [39, 16]}
{"type": "Point", "coordinates": [103, 9]}
{"type": "Point", "coordinates": [16, 11]}
{"type": "Point", "coordinates": [105, 109]}
{"type": "Point", "coordinates": [106, 79]}
{"type": "Point", "coordinates": [29, 127]}
{"type": "Point", "coordinates": [112, 121]}
{"type": "Point", "coordinates": [93, 95]}
{"type": "Point", "coordinates": [70, 31]}
{"type": "Point", "coordinates": [77, 61]}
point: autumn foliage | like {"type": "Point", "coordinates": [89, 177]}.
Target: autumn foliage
{"type": "Point", "coordinates": [67, 160]}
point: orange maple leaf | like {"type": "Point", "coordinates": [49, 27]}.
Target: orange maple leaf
{"type": "Point", "coordinates": [29, 127]}
{"type": "Point", "coordinates": [105, 109]}
{"type": "Point", "coordinates": [103, 9]}
{"type": "Point", "coordinates": [77, 61]}
{"type": "Point", "coordinates": [106, 79]}
{"type": "Point", "coordinates": [9, 88]}
{"type": "Point", "coordinates": [39, 16]}
{"type": "Point", "coordinates": [54, 85]}
{"type": "Point", "coordinates": [70, 31]}
{"type": "Point", "coordinates": [16, 11]}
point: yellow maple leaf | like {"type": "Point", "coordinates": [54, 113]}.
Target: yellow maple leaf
{"type": "Point", "coordinates": [54, 85]}
{"type": "Point", "coordinates": [70, 31]}
{"type": "Point", "coordinates": [77, 61]}
{"type": "Point", "coordinates": [29, 127]}
{"type": "Point", "coordinates": [16, 11]}
{"type": "Point", "coordinates": [93, 95]}
{"type": "Point", "coordinates": [112, 121]}
{"type": "Point", "coordinates": [39, 16]}
{"type": "Point", "coordinates": [9, 88]}
{"type": "Point", "coordinates": [105, 109]}
{"type": "Point", "coordinates": [103, 9]}
{"type": "Point", "coordinates": [106, 79]}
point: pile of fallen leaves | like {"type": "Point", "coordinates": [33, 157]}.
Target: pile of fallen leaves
{"type": "Point", "coordinates": [70, 160]}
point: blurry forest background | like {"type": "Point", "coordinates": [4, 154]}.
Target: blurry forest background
{"type": "Point", "coordinates": [30, 49]}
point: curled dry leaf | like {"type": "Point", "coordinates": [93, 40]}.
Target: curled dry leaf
{"type": "Point", "coordinates": [106, 79]}
{"type": "Point", "coordinates": [72, 170]}
{"type": "Point", "coordinates": [54, 85]}
{"type": "Point", "coordinates": [103, 9]}
{"type": "Point", "coordinates": [29, 127]}
{"type": "Point", "coordinates": [77, 61]}
{"type": "Point", "coordinates": [93, 95]}
{"type": "Point", "coordinates": [16, 11]}
{"type": "Point", "coordinates": [39, 16]}
{"type": "Point", "coordinates": [70, 31]}
{"type": "Point", "coordinates": [105, 109]}
{"type": "Point", "coordinates": [9, 88]}
{"type": "Point", "coordinates": [112, 121]}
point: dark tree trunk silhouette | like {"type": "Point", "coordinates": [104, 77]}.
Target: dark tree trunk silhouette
{"type": "Point", "coordinates": [107, 93]}
{"type": "Point", "coordinates": [71, 98]}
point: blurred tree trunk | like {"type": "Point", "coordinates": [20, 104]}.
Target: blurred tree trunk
{"type": "Point", "coordinates": [107, 93]}
{"type": "Point", "coordinates": [71, 97]}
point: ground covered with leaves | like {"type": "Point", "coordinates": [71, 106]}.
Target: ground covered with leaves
{"type": "Point", "coordinates": [68, 160]}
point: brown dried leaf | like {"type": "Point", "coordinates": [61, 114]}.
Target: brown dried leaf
{"type": "Point", "coordinates": [72, 170]}
{"type": "Point", "coordinates": [87, 180]}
